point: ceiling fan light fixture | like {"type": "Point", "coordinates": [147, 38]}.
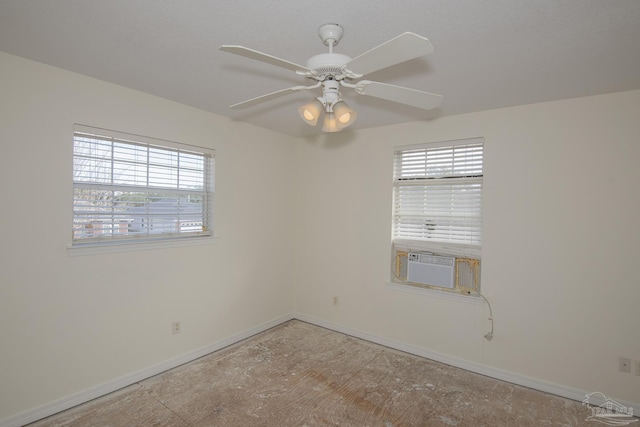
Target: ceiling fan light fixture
{"type": "Point", "coordinates": [344, 115]}
{"type": "Point", "coordinates": [330, 123]}
{"type": "Point", "coordinates": [311, 112]}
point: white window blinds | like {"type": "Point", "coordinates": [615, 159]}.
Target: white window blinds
{"type": "Point", "coordinates": [131, 187]}
{"type": "Point", "coordinates": [438, 193]}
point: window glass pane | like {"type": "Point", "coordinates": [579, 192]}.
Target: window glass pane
{"type": "Point", "coordinates": [161, 176]}
{"type": "Point", "coordinates": [126, 189]}
{"type": "Point", "coordinates": [438, 193]}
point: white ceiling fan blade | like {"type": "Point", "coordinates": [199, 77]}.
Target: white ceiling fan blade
{"type": "Point", "coordinates": [270, 96]}
{"type": "Point", "coordinates": [402, 95]}
{"type": "Point", "coordinates": [399, 49]}
{"type": "Point", "coordinates": [263, 57]}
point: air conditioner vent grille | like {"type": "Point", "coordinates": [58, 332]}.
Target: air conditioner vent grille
{"type": "Point", "coordinates": [429, 269]}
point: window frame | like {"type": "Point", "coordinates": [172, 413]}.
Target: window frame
{"type": "Point", "coordinates": [470, 177]}
{"type": "Point", "coordinates": [164, 188]}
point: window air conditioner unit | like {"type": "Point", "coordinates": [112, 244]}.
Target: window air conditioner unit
{"type": "Point", "coordinates": [430, 269]}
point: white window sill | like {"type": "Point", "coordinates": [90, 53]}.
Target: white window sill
{"type": "Point", "coordinates": [402, 287]}
{"type": "Point", "coordinates": [101, 248]}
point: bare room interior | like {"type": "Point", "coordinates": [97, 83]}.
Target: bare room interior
{"type": "Point", "coordinates": [301, 247]}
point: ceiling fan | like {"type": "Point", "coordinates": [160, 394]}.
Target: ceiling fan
{"type": "Point", "coordinates": [333, 70]}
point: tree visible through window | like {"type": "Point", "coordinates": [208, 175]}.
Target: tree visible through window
{"type": "Point", "coordinates": [129, 187]}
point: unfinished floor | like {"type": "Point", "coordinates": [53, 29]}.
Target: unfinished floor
{"type": "Point", "coordinates": [298, 374]}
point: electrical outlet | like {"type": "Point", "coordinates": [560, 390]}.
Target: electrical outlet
{"type": "Point", "coordinates": [335, 300]}
{"type": "Point", "coordinates": [624, 365]}
{"type": "Point", "coordinates": [176, 327]}
{"type": "Point", "coordinates": [637, 368]}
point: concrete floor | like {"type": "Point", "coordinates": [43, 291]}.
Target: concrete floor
{"type": "Point", "coordinates": [298, 374]}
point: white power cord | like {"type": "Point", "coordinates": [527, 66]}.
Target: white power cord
{"type": "Point", "coordinates": [489, 335]}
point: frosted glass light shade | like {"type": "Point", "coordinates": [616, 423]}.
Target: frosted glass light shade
{"type": "Point", "coordinates": [311, 112]}
{"type": "Point", "coordinates": [330, 123]}
{"type": "Point", "coordinates": [344, 115]}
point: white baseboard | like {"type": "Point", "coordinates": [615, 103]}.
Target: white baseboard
{"type": "Point", "coordinates": [118, 383]}
{"type": "Point", "coordinates": [63, 404]}
{"type": "Point", "coordinates": [489, 371]}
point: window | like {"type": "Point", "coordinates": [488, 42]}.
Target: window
{"type": "Point", "coordinates": [437, 210]}
{"type": "Point", "coordinates": [129, 188]}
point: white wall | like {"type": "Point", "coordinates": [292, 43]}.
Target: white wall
{"type": "Point", "coordinates": [560, 231]}
{"type": "Point", "coordinates": [67, 323]}
{"type": "Point", "coordinates": [559, 255]}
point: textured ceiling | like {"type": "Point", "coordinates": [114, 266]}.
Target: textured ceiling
{"type": "Point", "coordinates": [488, 54]}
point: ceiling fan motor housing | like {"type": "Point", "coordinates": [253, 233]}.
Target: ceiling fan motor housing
{"type": "Point", "coordinates": [328, 64]}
